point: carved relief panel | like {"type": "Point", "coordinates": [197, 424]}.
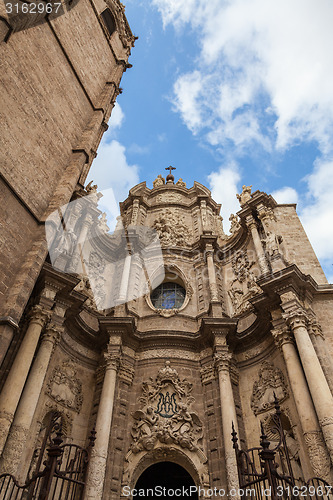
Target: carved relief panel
{"type": "Point", "coordinates": [166, 415]}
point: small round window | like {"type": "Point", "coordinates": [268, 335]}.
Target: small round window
{"type": "Point", "coordinates": [168, 296]}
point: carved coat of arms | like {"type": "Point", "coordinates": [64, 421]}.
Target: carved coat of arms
{"type": "Point", "coordinates": [64, 387]}
{"type": "Point", "coordinates": [165, 415]}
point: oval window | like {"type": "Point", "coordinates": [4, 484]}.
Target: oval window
{"type": "Point", "coordinates": [168, 296]}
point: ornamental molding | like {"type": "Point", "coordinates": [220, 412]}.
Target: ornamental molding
{"type": "Point", "coordinates": [64, 387]}
{"type": "Point", "coordinates": [270, 382]}
{"type": "Point", "coordinates": [165, 415]}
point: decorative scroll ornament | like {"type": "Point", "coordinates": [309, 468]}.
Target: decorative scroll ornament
{"type": "Point", "coordinates": [64, 387]}
{"type": "Point", "coordinates": [271, 380]}
{"type": "Point", "coordinates": [172, 229]}
{"type": "Point", "coordinates": [165, 416]}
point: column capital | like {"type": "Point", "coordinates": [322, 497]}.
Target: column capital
{"type": "Point", "coordinates": [296, 318]}
{"type": "Point", "coordinates": [222, 359]}
{"type": "Point", "coordinates": [265, 212]}
{"type": "Point", "coordinates": [282, 335]}
{"type": "Point", "coordinates": [112, 358]}
{"type": "Point", "coordinates": [314, 327]}
{"type": "Point", "coordinates": [38, 315]}
{"type": "Point", "coordinates": [52, 333]}
{"type": "Point", "coordinates": [250, 222]}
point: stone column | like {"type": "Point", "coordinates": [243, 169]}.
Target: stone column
{"type": "Point", "coordinates": [228, 410]}
{"type": "Point", "coordinates": [211, 273]}
{"type": "Point", "coordinates": [97, 464]}
{"type": "Point", "coordinates": [19, 431]}
{"type": "Point", "coordinates": [75, 261]}
{"type": "Point", "coordinates": [317, 452]}
{"type": "Point", "coordinates": [319, 388]}
{"type": "Point", "coordinates": [14, 384]}
{"type": "Point", "coordinates": [124, 279]}
{"type": "Point", "coordinates": [251, 224]}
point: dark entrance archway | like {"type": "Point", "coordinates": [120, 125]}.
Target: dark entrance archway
{"type": "Point", "coordinates": [168, 478]}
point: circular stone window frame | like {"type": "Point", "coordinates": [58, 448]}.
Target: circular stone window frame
{"type": "Point", "coordinates": [179, 280]}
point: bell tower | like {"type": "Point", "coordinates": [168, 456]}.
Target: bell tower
{"type": "Point", "coordinates": [60, 76]}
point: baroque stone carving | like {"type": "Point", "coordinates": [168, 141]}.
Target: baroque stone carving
{"type": "Point", "coordinates": [235, 224]}
{"type": "Point", "coordinates": [272, 244]}
{"type": "Point", "coordinates": [291, 442]}
{"type": "Point", "coordinates": [181, 183]}
{"type": "Point", "coordinates": [159, 181]}
{"type": "Point", "coordinates": [245, 195]}
{"type": "Point", "coordinates": [319, 458]}
{"type": "Point", "coordinates": [244, 285]}
{"type": "Point", "coordinates": [207, 373]}
{"type": "Point", "coordinates": [172, 229]}
{"type": "Point", "coordinates": [64, 387]}
{"type": "Point", "coordinates": [165, 416]}
{"type": "Point", "coordinates": [270, 381]}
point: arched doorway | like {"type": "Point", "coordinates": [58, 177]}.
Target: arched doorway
{"type": "Point", "coordinates": [167, 478]}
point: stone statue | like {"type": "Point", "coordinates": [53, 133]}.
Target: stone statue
{"type": "Point", "coordinates": [181, 183]}
{"type": "Point", "coordinates": [272, 242]}
{"type": "Point", "coordinates": [245, 195]}
{"type": "Point", "coordinates": [159, 181]}
{"type": "Point", "coordinates": [235, 225]}
{"type": "Point", "coordinates": [67, 242]}
{"type": "Point", "coordinates": [103, 223]}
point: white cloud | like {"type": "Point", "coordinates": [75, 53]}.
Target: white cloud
{"type": "Point", "coordinates": [117, 117]}
{"type": "Point", "coordinates": [223, 185]}
{"type": "Point", "coordinates": [111, 170]}
{"type": "Point", "coordinates": [285, 195]}
{"type": "Point", "coordinates": [252, 49]}
{"type": "Point", "coordinates": [317, 216]}
{"type": "Point", "coordinates": [188, 88]}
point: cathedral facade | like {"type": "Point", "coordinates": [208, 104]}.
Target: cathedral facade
{"type": "Point", "coordinates": [167, 334]}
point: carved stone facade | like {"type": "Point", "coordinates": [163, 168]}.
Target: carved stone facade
{"type": "Point", "coordinates": [166, 383]}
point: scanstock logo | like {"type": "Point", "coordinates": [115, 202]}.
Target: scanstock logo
{"type": "Point", "coordinates": [22, 15]}
{"type": "Point", "coordinates": [114, 267]}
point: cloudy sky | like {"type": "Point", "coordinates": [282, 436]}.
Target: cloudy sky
{"type": "Point", "coordinates": [230, 93]}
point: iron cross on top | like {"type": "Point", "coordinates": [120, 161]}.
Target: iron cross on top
{"type": "Point", "coordinates": [170, 168]}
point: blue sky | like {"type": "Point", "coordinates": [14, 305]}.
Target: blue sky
{"type": "Point", "coordinates": [230, 93]}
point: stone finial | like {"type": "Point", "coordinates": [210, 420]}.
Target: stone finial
{"type": "Point", "coordinates": [245, 195]}
{"type": "Point", "coordinates": [159, 181]}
